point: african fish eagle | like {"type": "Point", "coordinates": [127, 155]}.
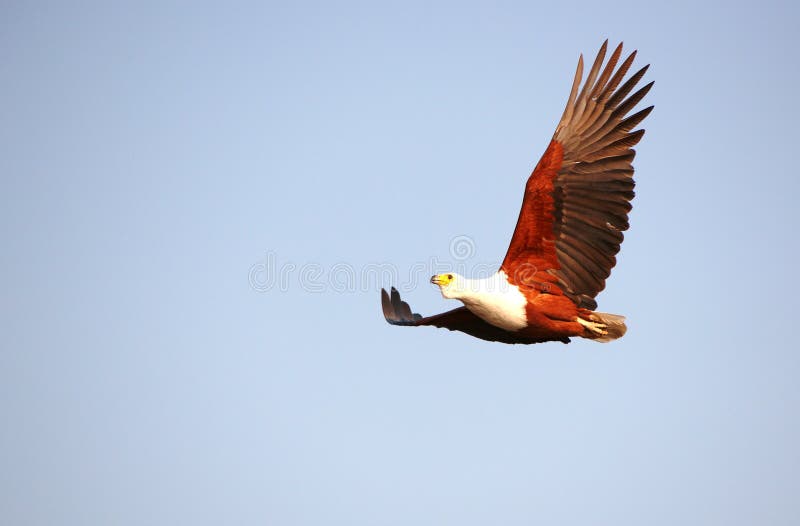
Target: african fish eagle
{"type": "Point", "coordinates": [574, 211]}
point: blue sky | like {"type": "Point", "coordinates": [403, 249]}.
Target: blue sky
{"type": "Point", "coordinates": [158, 161]}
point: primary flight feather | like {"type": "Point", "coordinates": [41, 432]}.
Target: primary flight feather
{"type": "Point", "coordinates": [574, 210]}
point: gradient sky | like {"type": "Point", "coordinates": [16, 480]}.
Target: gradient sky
{"type": "Point", "coordinates": [161, 163]}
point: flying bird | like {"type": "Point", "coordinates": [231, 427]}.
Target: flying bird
{"type": "Point", "coordinates": [574, 210]}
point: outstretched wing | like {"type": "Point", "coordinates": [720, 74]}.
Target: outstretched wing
{"type": "Point", "coordinates": [577, 199]}
{"type": "Point", "coordinates": [397, 312]}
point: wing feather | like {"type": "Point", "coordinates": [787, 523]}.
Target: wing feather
{"type": "Point", "coordinates": [577, 199]}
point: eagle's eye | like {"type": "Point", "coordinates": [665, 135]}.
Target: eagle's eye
{"type": "Point", "coordinates": [449, 276]}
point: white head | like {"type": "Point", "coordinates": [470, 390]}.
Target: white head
{"type": "Point", "coordinates": [452, 285]}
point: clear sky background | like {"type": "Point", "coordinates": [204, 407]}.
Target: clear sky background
{"type": "Point", "coordinates": [161, 163]}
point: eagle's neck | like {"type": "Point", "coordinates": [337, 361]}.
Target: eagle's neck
{"type": "Point", "coordinates": [496, 301]}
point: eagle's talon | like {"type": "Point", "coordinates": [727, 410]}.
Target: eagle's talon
{"type": "Point", "coordinates": [597, 328]}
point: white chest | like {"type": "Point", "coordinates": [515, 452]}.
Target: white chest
{"type": "Point", "coordinates": [498, 302]}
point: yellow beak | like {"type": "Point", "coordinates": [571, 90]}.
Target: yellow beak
{"type": "Point", "coordinates": [441, 279]}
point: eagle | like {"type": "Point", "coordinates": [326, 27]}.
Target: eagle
{"type": "Point", "coordinates": [574, 211]}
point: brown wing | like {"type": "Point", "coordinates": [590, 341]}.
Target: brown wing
{"type": "Point", "coordinates": [577, 199]}
{"type": "Point", "coordinates": [397, 312]}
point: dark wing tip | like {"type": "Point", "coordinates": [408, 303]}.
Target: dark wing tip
{"type": "Point", "coordinates": [395, 310]}
{"type": "Point", "coordinates": [386, 304]}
